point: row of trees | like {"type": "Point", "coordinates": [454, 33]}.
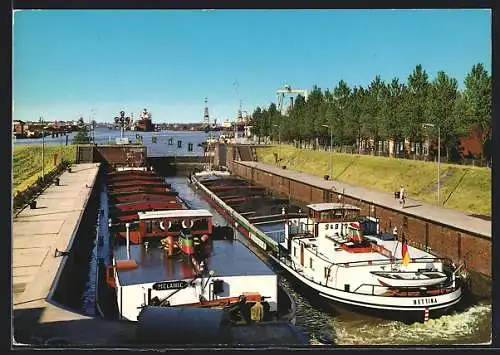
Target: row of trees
{"type": "Point", "coordinates": [387, 111]}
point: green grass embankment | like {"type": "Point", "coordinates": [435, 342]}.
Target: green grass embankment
{"type": "Point", "coordinates": [27, 163]}
{"type": "Point", "coordinates": [465, 188]}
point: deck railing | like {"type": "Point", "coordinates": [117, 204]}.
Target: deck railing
{"type": "Point", "coordinates": [393, 261]}
{"type": "Point", "coordinates": [278, 236]}
{"type": "Point", "coordinates": [269, 242]}
{"type": "Point", "coordinates": [384, 291]}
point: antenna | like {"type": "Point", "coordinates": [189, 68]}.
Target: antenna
{"type": "Point", "coordinates": [206, 122]}
{"type": "Point", "coordinates": [237, 89]}
{"type": "Point", "coordinates": [206, 117]}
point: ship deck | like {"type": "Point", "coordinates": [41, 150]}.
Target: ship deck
{"type": "Point", "coordinates": [395, 247]}
{"type": "Point", "coordinates": [255, 203]}
{"type": "Point", "coordinates": [227, 258]}
{"type": "Point", "coordinates": [342, 256]}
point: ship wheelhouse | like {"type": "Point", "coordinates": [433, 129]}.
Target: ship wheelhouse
{"type": "Point", "coordinates": [330, 219]}
{"type": "Point", "coordinates": [156, 225]}
{"type": "Point", "coordinates": [324, 221]}
{"type": "Point", "coordinates": [172, 222]}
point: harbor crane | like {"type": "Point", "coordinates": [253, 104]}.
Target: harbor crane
{"type": "Point", "coordinates": [288, 90]}
{"type": "Point", "coordinates": [240, 109]}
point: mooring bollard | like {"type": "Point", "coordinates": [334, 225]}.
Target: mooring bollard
{"type": "Point", "coordinates": [69, 169]}
{"type": "Point", "coordinates": [56, 180]}
{"type": "Point", "coordinates": [33, 205]}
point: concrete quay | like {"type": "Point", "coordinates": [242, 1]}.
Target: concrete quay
{"type": "Point", "coordinates": [37, 233]}
{"type": "Point", "coordinates": [450, 217]}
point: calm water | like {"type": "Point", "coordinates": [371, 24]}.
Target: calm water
{"type": "Point", "coordinates": [472, 326]}
{"type": "Point", "coordinates": [160, 148]}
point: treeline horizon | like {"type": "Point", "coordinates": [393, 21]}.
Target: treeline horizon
{"type": "Point", "coordinates": [384, 111]}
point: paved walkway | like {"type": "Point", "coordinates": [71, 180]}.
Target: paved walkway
{"type": "Point", "coordinates": [38, 232]}
{"type": "Point", "coordinates": [36, 235]}
{"type": "Point", "coordinates": [416, 208]}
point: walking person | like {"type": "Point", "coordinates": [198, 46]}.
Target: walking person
{"type": "Point", "coordinates": [402, 196]}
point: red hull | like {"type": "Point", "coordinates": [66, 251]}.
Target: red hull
{"type": "Point", "coordinates": [135, 235]}
{"type": "Point", "coordinates": [144, 197]}
{"type": "Point", "coordinates": [125, 218]}
{"type": "Point", "coordinates": [232, 187]}
{"type": "Point", "coordinates": [139, 189]}
{"type": "Point", "coordinates": [128, 198]}
{"type": "Point", "coordinates": [240, 198]}
{"type": "Point", "coordinates": [119, 215]}
{"type": "Point", "coordinates": [137, 182]}
{"type": "Point", "coordinates": [130, 173]}
{"type": "Point", "coordinates": [128, 177]}
{"type": "Point", "coordinates": [146, 206]}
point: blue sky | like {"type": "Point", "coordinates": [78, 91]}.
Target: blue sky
{"type": "Point", "coordinates": [98, 62]}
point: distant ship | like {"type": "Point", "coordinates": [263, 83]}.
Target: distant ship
{"type": "Point", "coordinates": [240, 122]}
{"type": "Point", "coordinates": [144, 123]}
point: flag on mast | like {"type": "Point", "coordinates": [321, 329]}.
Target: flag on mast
{"type": "Point", "coordinates": [354, 230]}
{"type": "Point", "coordinates": [404, 253]}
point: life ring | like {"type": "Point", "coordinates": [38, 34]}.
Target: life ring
{"type": "Point", "coordinates": [187, 223]}
{"type": "Point", "coordinates": [162, 226]}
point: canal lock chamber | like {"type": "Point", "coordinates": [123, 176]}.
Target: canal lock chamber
{"type": "Point", "coordinates": [75, 286]}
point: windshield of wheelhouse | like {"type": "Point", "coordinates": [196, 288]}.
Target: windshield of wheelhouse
{"type": "Point", "coordinates": [335, 215]}
{"type": "Point", "coordinates": [351, 215]}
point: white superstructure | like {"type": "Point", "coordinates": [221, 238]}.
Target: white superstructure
{"type": "Point", "coordinates": [327, 252]}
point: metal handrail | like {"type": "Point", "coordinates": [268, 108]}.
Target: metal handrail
{"type": "Point", "coordinates": [259, 234]}
{"type": "Point", "coordinates": [382, 262]}
{"type": "Point", "coordinates": [402, 289]}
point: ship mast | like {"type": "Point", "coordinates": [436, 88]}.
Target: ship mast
{"type": "Point", "coordinates": [206, 121]}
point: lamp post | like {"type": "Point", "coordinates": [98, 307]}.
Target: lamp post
{"type": "Point", "coordinates": [127, 226]}
{"type": "Point", "coordinates": [235, 131]}
{"type": "Point", "coordinates": [330, 166]}
{"type": "Point", "coordinates": [122, 121]}
{"type": "Point", "coordinates": [245, 120]}
{"type": "Point", "coordinates": [93, 124]}
{"type": "Point", "coordinates": [439, 158]}
{"type": "Point", "coordinates": [93, 131]}
{"type": "Point", "coordinates": [279, 140]}
{"type": "Point", "coordinates": [43, 150]}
